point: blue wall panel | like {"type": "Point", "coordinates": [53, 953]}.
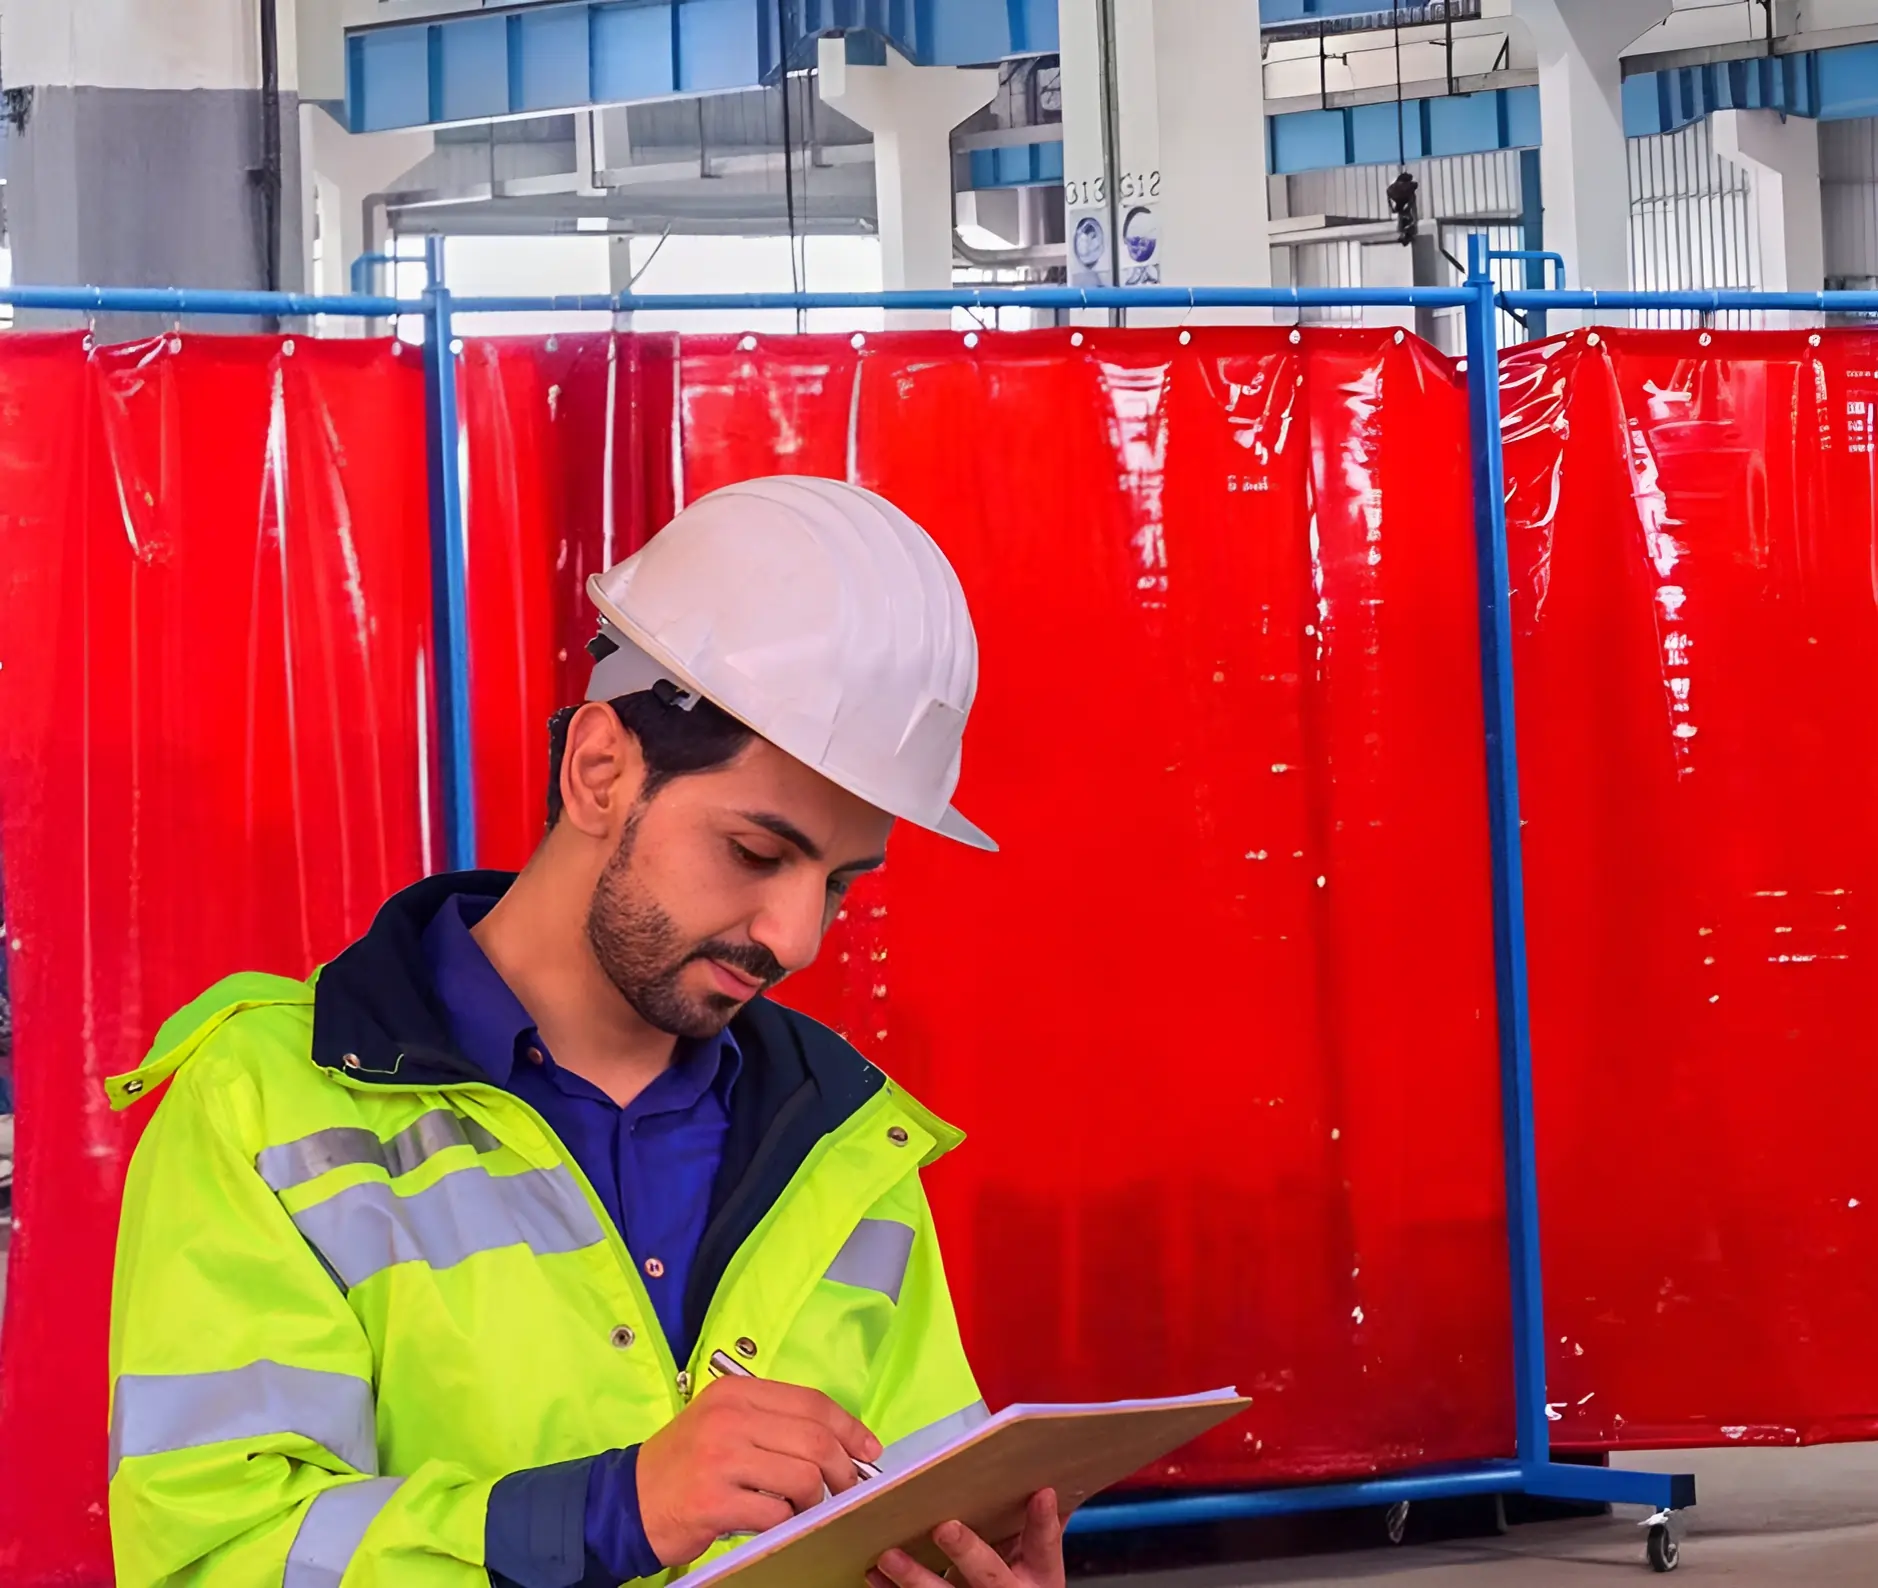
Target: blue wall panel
{"type": "Point", "coordinates": [1312, 140]}
{"type": "Point", "coordinates": [632, 52]}
{"type": "Point", "coordinates": [1847, 82]}
{"type": "Point", "coordinates": [392, 68]}
{"type": "Point", "coordinates": [717, 45]}
{"type": "Point", "coordinates": [1376, 134]}
{"type": "Point", "coordinates": [1522, 117]}
{"type": "Point", "coordinates": [548, 57]}
{"type": "Point", "coordinates": [1021, 165]}
{"type": "Point", "coordinates": [473, 65]}
{"type": "Point", "coordinates": [1464, 123]}
{"type": "Point", "coordinates": [1308, 140]}
{"type": "Point", "coordinates": [973, 32]}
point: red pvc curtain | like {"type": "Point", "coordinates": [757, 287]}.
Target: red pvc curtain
{"type": "Point", "coordinates": [1692, 524]}
{"type": "Point", "coordinates": [1220, 1016]}
{"type": "Point", "coordinates": [214, 618]}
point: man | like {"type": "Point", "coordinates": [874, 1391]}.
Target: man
{"type": "Point", "coordinates": [421, 1263]}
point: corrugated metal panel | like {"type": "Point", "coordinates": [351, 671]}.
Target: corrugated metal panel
{"type": "Point", "coordinates": [1848, 176]}
{"type": "Point", "coordinates": [1329, 265]}
{"type": "Point", "coordinates": [1460, 185]}
{"type": "Point", "coordinates": [1691, 223]}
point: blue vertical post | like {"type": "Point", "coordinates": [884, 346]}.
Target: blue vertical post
{"type": "Point", "coordinates": [1509, 903]}
{"type": "Point", "coordinates": [449, 570]}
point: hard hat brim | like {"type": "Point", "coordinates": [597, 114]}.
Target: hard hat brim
{"type": "Point", "coordinates": [954, 826]}
{"type": "Point", "coordinates": [950, 825]}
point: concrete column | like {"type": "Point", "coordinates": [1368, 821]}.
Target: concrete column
{"type": "Point", "coordinates": [911, 111]}
{"type": "Point", "coordinates": [1190, 206]}
{"type": "Point", "coordinates": [142, 134]}
{"type": "Point", "coordinates": [348, 171]}
{"type": "Point", "coordinates": [1583, 163]}
{"type": "Point", "coordinates": [1781, 158]}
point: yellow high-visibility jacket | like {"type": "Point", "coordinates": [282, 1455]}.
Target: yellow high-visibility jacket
{"type": "Point", "coordinates": [371, 1323]}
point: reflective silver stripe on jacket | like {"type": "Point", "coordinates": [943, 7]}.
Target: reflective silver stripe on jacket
{"type": "Point", "coordinates": [296, 1162]}
{"type": "Point", "coordinates": [874, 1257]}
{"type": "Point", "coordinates": [367, 1228]}
{"type": "Point", "coordinates": [155, 1412]}
{"type": "Point", "coordinates": [922, 1442]}
{"type": "Point", "coordinates": [331, 1530]}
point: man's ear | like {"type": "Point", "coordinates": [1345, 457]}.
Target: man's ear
{"type": "Point", "coordinates": [602, 772]}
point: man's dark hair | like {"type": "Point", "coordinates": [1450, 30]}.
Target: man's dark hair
{"type": "Point", "coordinates": [674, 742]}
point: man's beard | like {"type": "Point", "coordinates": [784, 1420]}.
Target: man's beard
{"type": "Point", "coordinates": [643, 955]}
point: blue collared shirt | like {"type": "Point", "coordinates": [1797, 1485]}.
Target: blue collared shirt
{"type": "Point", "coordinates": [652, 1162]}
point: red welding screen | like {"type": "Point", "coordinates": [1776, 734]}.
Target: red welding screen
{"type": "Point", "coordinates": [214, 592]}
{"type": "Point", "coordinates": [1692, 529]}
{"type": "Point", "coordinates": [1218, 1018]}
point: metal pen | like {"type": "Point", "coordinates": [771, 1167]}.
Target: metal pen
{"type": "Point", "coordinates": [729, 1367]}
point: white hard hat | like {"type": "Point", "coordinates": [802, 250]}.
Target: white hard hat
{"type": "Point", "coordinates": [818, 614]}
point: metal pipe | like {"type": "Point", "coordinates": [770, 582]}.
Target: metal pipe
{"type": "Point", "coordinates": [989, 298]}
{"type": "Point", "coordinates": [1533, 256]}
{"type": "Point", "coordinates": [270, 178]}
{"type": "Point", "coordinates": [449, 560]}
{"type": "Point", "coordinates": [1509, 902]}
{"type": "Point", "coordinates": [1709, 301]}
{"type": "Point", "coordinates": [1493, 1477]}
{"type": "Point", "coordinates": [189, 300]}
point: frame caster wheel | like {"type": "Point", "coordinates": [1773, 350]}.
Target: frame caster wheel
{"type": "Point", "coordinates": [1661, 1548]}
{"type": "Point", "coordinates": [1395, 1521]}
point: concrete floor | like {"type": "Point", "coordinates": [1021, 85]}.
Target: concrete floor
{"type": "Point", "coordinates": [1767, 1517]}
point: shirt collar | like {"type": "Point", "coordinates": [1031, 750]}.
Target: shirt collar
{"type": "Point", "coordinates": [489, 1022]}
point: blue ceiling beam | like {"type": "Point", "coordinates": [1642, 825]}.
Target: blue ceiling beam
{"type": "Point", "coordinates": [541, 58]}
{"type": "Point", "coordinates": [1314, 140]}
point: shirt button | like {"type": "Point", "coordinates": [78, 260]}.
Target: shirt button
{"type": "Point", "coordinates": [654, 1268]}
{"type": "Point", "coordinates": [746, 1347]}
{"type": "Point", "coordinates": [536, 1056]}
{"type": "Point", "coordinates": [622, 1336]}
{"type": "Point", "coordinates": [897, 1136]}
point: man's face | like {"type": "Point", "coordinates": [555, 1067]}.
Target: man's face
{"type": "Point", "coordinates": [723, 884]}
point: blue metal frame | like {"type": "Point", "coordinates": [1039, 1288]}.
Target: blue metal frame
{"type": "Point", "coordinates": [449, 564]}
{"type": "Point", "coordinates": [1532, 1471]}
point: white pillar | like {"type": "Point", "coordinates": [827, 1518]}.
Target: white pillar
{"type": "Point", "coordinates": [347, 169]}
{"type": "Point", "coordinates": [1583, 161]}
{"type": "Point", "coordinates": [1191, 199]}
{"type": "Point", "coordinates": [1781, 158]}
{"type": "Point", "coordinates": [911, 111]}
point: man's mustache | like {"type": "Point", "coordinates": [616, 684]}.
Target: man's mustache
{"type": "Point", "coordinates": [751, 958]}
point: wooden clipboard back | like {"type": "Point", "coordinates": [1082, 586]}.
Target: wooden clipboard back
{"type": "Point", "coordinates": [986, 1484]}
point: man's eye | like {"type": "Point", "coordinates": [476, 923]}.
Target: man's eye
{"type": "Point", "coordinates": [751, 859]}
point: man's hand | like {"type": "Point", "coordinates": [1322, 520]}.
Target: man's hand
{"type": "Point", "coordinates": [746, 1454]}
{"type": "Point", "coordinates": [1033, 1561]}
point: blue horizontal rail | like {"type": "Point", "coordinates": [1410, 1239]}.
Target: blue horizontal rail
{"type": "Point", "coordinates": [1710, 301]}
{"type": "Point", "coordinates": [1232, 1505]}
{"type": "Point", "coordinates": [1552, 1480]}
{"type": "Point", "coordinates": [188, 300]}
{"type": "Point", "coordinates": [987, 298]}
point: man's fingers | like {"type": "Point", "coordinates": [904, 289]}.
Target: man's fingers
{"type": "Point", "coordinates": [979, 1565]}
{"type": "Point", "coordinates": [807, 1441]}
{"type": "Point", "coordinates": [797, 1481]}
{"type": "Point", "coordinates": [1042, 1543]}
{"type": "Point", "coordinates": [900, 1570]}
{"type": "Point", "coordinates": [791, 1400]}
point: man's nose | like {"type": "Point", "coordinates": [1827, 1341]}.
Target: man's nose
{"type": "Point", "coordinates": [790, 925]}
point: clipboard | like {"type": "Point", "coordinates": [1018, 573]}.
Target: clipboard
{"type": "Point", "coordinates": [983, 1478]}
